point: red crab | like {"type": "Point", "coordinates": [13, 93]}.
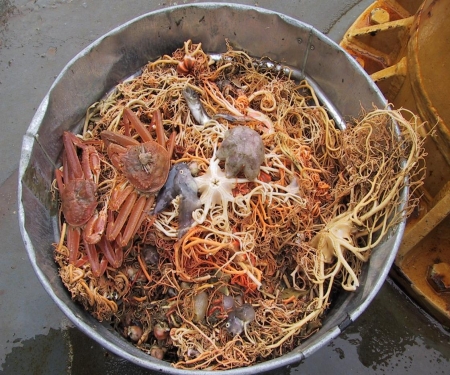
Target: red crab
{"type": "Point", "coordinates": [144, 165]}
{"type": "Point", "coordinates": [77, 184]}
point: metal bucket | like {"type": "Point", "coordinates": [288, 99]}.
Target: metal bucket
{"type": "Point", "coordinates": [120, 53]}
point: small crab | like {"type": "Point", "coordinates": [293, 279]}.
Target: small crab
{"type": "Point", "coordinates": [145, 167]}
{"type": "Point", "coordinates": [77, 185]}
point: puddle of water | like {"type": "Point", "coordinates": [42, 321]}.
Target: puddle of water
{"type": "Point", "coordinates": [393, 336]}
{"type": "Point", "coordinates": [43, 354]}
{"type": "Point", "coordinates": [26, 310]}
{"type": "Point", "coordinates": [90, 358]}
{"type": "Point", "coordinates": [394, 333]}
{"type": "Point", "coordinates": [67, 351]}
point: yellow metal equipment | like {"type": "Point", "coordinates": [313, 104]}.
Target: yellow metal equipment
{"type": "Point", "coordinates": [405, 46]}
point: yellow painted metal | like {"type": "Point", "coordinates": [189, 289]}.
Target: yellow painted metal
{"type": "Point", "coordinates": [429, 67]}
{"type": "Point", "coordinates": [438, 210]}
{"type": "Point", "coordinates": [405, 46]}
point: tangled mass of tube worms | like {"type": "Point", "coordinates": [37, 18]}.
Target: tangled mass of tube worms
{"type": "Point", "coordinates": [211, 209]}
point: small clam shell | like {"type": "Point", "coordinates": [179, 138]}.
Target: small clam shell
{"type": "Point", "coordinates": [134, 333]}
{"type": "Point", "coordinates": [228, 302]}
{"type": "Point", "coordinates": [200, 306]}
{"type": "Point", "coordinates": [246, 313]}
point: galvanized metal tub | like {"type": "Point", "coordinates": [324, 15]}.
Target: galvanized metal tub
{"type": "Point", "coordinates": [120, 53]}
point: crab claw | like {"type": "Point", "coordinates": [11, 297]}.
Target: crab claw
{"type": "Point", "coordinates": [95, 227]}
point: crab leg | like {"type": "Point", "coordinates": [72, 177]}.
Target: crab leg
{"type": "Point", "coordinates": [171, 144]}
{"type": "Point", "coordinates": [73, 243]}
{"type": "Point", "coordinates": [138, 125]}
{"type": "Point", "coordinates": [127, 125]}
{"type": "Point", "coordinates": [119, 194]}
{"type": "Point", "coordinates": [146, 210]}
{"type": "Point", "coordinates": [144, 213]}
{"type": "Point", "coordinates": [114, 227]}
{"type": "Point", "coordinates": [73, 169]}
{"type": "Point", "coordinates": [113, 255]}
{"type": "Point", "coordinates": [158, 124]}
{"type": "Point", "coordinates": [111, 138]}
{"type": "Point", "coordinates": [59, 180]}
{"type": "Point", "coordinates": [97, 268]}
{"type": "Point", "coordinates": [133, 220]}
{"type": "Point", "coordinates": [90, 163]}
{"type": "Point", "coordinates": [95, 227]}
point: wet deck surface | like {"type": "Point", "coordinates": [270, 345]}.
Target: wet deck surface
{"type": "Point", "coordinates": [37, 39]}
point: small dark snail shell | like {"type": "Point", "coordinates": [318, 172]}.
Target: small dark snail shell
{"type": "Point", "coordinates": [185, 67]}
{"type": "Point", "coordinates": [150, 255]}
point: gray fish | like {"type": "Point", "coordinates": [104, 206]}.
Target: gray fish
{"type": "Point", "coordinates": [179, 182]}
{"type": "Point", "coordinates": [246, 313]}
{"type": "Point", "coordinates": [234, 325]}
{"type": "Point", "coordinates": [196, 107]}
{"type": "Point", "coordinates": [239, 318]}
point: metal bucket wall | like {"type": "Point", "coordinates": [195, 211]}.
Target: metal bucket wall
{"type": "Point", "coordinates": [121, 53]}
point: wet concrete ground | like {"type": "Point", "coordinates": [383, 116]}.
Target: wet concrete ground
{"type": "Point", "coordinates": [37, 39]}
